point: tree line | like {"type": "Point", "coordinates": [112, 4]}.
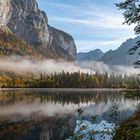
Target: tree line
{"type": "Point", "coordinates": [69, 80]}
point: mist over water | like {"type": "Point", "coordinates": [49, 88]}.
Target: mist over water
{"type": "Point", "coordinates": [49, 66]}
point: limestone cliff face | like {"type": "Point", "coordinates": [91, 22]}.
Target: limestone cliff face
{"type": "Point", "coordinates": [28, 21]}
{"type": "Point", "coordinates": [24, 18]}
{"type": "Point", "coordinates": [62, 42]}
{"type": "Point", "coordinates": [4, 11]}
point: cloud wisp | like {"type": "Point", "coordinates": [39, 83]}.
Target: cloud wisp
{"type": "Point", "coordinates": [91, 18]}
{"type": "Point", "coordinates": [103, 45]}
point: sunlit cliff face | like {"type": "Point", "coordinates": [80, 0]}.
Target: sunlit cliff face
{"type": "Point", "coordinates": [4, 8]}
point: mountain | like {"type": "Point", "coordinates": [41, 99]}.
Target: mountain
{"type": "Point", "coordinates": [94, 55]}
{"type": "Point", "coordinates": [28, 23]}
{"type": "Point", "coordinates": [121, 56]}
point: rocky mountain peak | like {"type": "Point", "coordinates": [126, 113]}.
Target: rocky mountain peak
{"type": "Point", "coordinates": [120, 56]}
{"type": "Point", "coordinates": [93, 55]}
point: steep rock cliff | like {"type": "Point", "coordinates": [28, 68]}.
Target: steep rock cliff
{"type": "Point", "coordinates": [26, 20]}
{"type": "Point", "coordinates": [4, 11]}
{"type": "Point", "coordinates": [62, 42]}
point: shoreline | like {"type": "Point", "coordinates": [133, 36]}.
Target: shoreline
{"type": "Point", "coordinates": [68, 89]}
{"type": "Point", "coordinates": [131, 125]}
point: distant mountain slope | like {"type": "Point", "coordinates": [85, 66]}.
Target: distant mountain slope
{"type": "Point", "coordinates": [94, 55]}
{"type": "Point", "coordinates": [29, 23]}
{"type": "Point", "coordinates": [121, 56]}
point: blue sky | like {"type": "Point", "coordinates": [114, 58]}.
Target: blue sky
{"type": "Point", "coordinates": [92, 23]}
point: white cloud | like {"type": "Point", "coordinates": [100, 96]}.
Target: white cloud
{"type": "Point", "coordinates": [91, 16]}
{"type": "Point", "coordinates": [92, 26]}
{"type": "Point", "coordinates": [106, 22]}
{"type": "Point", "coordinates": [86, 45]}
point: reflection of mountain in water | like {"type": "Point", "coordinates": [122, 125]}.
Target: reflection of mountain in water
{"type": "Point", "coordinates": [44, 115]}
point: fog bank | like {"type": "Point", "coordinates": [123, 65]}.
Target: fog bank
{"type": "Point", "coordinates": [24, 65]}
{"type": "Point", "coordinates": [45, 66]}
{"type": "Point", "coordinates": [104, 68]}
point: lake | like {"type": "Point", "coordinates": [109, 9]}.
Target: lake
{"type": "Point", "coordinates": [49, 114]}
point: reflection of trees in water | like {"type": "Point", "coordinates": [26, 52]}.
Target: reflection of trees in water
{"type": "Point", "coordinates": [11, 97]}
{"type": "Point", "coordinates": [133, 95]}
{"type": "Point", "coordinates": [39, 128]}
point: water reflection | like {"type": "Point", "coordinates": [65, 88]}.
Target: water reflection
{"type": "Point", "coordinates": [44, 115]}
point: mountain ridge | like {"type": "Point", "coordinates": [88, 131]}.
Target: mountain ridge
{"type": "Point", "coordinates": [119, 56]}
{"type": "Point", "coordinates": [92, 55]}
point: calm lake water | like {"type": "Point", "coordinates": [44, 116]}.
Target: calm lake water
{"type": "Point", "coordinates": [52, 115]}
